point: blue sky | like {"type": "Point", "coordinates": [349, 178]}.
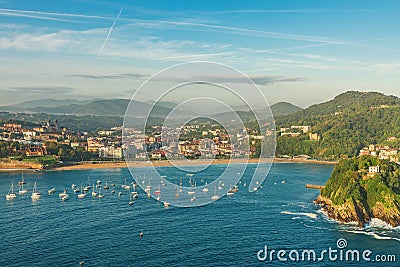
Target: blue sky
{"type": "Point", "coordinates": [304, 52]}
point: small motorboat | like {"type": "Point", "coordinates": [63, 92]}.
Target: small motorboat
{"type": "Point", "coordinates": [52, 191]}
{"type": "Point", "coordinates": [63, 194]}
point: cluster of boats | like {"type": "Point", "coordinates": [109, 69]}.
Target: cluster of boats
{"type": "Point", "coordinates": [96, 190]}
{"type": "Point", "coordinates": [81, 192]}
{"type": "Point", "coordinates": [12, 195]}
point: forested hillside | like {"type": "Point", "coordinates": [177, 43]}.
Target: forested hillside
{"type": "Point", "coordinates": [344, 125]}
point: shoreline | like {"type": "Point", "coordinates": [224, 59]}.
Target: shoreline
{"type": "Point", "coordinates": [165, 163]}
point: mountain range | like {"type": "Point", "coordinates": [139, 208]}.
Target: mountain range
{"type": "Point", "coordinates": [116, 107]}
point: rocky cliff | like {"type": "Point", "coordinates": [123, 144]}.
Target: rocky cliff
{"type": "Point", "coordinates": [354, 195]}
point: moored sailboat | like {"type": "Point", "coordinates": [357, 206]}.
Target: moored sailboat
{"type": "Point", "coordinates": [94, 193]}
{"type": "Point", "coordinates": [35, 194]}
{"type": "Point", "coordinates": [22, 190]}
{"type": "Point", "coordinates": [22, 182]}
{"type": "Point", "coordinates": [82, 194]}
{"type": "Point", "coordinates": [11, 195]}
{"type": "Point", "coordinates": [215, 196]}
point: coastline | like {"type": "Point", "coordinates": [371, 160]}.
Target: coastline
{"type": "Point", "coordinates": [164, 163]}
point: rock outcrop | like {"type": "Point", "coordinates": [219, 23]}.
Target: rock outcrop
{"type": "Point", "coordinates": [353, 195]}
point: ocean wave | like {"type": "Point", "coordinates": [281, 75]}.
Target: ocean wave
{"type": "Point", "coordinates": [310, 215]}
{"type": "Point", "coordinates": [377, 223]}
{"type": "Point", "coordinates": [316, 227]}
{"type": "Point", "coordinates": [373, 234]}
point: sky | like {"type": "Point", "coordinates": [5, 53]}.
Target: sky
{"type": "Point", "coordinates": [302, 52]}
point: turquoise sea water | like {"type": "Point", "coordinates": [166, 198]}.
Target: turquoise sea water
{"type": "Point", "coordinates": [105, 232]}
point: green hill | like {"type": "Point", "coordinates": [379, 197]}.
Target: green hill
{"type": "Point", "coordinates": [284, 108]}
{"type": "Point", "coordinates": [345, 124]}
{"type": "Point", "coordinates": [354, 195]}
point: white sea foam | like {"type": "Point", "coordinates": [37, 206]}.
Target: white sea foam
{"type": "Point", "coordinates": [373, 234]}
{"type": "Point", "coordinates": [311, 215]}
{"type": "Point", "coordinates": [316, 227]}
{"type": "Point", "coordinates": [377, 223]}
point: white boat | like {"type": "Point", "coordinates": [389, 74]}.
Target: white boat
{"type": "Point", "coordinates": [22, 182]}
{"type": "Point", "coordinates": [63, 194]}
{"type": "Point", "coordinates": [81, 195]}
{"type": "Point", "coordinates": [134, 190]}
{"type": "Point", "coordinates": [106, 187]}
{"type": "Point", "coordinates": [131, 199]}
{"type": "Point", "coordinates": [220, 185]}
{"type": "Point", "coordinates": [234, 189]}
{"type": "Point", "coordinates": [215, 197]}
{"type": "Point", "coordinates": [119, 194]}
{"type": "Point", "coordinates": [35, 193]}
{"type": "Point", "coordinates": [191, 193]}
{"type": "Point", "coordinates": [205, 189]}
{"type": "Point", "coordinates": [230, 194]}
{"type": "Point", "coordinates": [166, 204]}
{"type": "Point", "coordinates": [98, 181]}
{"type": "Point", "coordinates": [126, 186]}
{"type": "Point", "coordinates": [88, 187]}
{"type": "Point", "coordinates": [22, 190]}
{"type": "Point", "coordinates": [65, 198]}
{"type": "Point", "coordinates": [99, 195]}
{"type": "Point", "coordinates": [11, 195]}
{"type": "Point", "coordinates": [94, 193]}
{"type": "Point", "coordinates": [52, 191]}
{"type": "Point", "coordinates": [76, 190]}
{"type": "Point", "coordinates": [148, 189]}
{"type": "Point", "coordinates": [73, 186]}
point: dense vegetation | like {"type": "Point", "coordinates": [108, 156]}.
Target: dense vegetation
{"type": "Point", "coordinates": [351, 175]}
{"type": "Point", "coordinates": [353, 190]}
{"type": "Point", "coordinates": [345, 124]}
{"type": "Point", "coordinates": [66, 153]}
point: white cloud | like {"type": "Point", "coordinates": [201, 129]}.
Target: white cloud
{"type": "Point", "coordinates": [194, 26]}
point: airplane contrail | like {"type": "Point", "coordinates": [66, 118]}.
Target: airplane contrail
{"type": "Point", "coordinates": [109, 33]}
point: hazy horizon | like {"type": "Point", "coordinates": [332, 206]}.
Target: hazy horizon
{"type": "Point", "coordinates": [88, 98]}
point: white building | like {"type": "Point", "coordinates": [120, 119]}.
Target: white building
{"type": "Point", "coordinates": [373, 169]}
